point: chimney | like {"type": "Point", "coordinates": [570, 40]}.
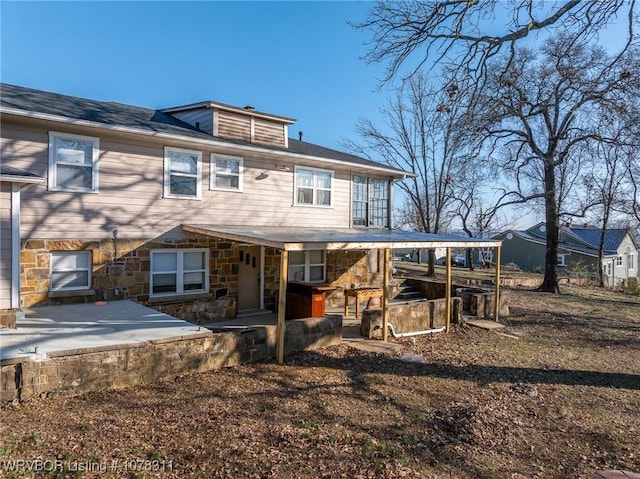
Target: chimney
{"type": "Point", "coordinates": [300, 135]}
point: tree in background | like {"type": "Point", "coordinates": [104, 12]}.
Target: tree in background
{"type": "Point", "coordinates": [422, 133]}
{"type": "Point", "coordinates": [467, 34]}
{"type": "Point", "coordinates": [544, 136]}
{"type": "Point", "coordinates": [540, 114]}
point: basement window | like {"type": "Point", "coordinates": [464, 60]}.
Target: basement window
{"type": "Point", "coordinates": [179, 272]}
{"type": "Point", "coordinates": [70, 270]}
{"type": "Point", "coordinates": [307, 266]}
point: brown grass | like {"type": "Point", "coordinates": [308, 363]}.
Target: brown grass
{"type": "Point", "coordinates": [559, 402]}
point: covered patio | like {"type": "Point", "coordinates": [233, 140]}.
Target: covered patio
{"type": "Point", "coordinates": [287, 239]}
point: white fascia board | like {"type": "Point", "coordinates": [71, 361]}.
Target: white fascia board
{"type": "Point", "coordinates": [201, 141]}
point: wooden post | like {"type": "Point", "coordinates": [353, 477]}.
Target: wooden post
{"type": "Point", "coordinates": [447, 294]}
{"type": "Point", "coordinates": [282, 305]}
{"type": "Point", "coordinates": [386, 281]}
{"type": "Point", "coordinates": [496, 299]}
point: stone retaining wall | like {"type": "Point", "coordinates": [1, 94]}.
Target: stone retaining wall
{"type": "Point", "coordinates": [411, 316]}
{"type": "Point", "coordinates": [80, 371]}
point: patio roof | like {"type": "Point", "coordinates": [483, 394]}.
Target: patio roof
{"type": "Point", "coordinates": [297, 239]}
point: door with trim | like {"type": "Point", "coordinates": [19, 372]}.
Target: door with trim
{"type": "Point", "coordinates": [249, 278]}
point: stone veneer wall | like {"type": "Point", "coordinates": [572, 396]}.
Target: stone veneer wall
{"type": "Point", "coordinates": [344, 269]}
{"type": "Point", "coordinates": [411, 316]}
{"type": "Point", "coordinates": [126, 272]}
{"type": "Point", "coordinates": [125, 275]}
{"type": "Point", "coordinates": [77, 372]}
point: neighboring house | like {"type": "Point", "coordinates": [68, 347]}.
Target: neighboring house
{"type": "Point", "coordinates": [577, 250]}
{"type": "Point", "coordinates": [186, 209]}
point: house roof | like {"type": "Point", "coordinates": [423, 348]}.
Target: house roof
{"type": "Point", "coordinates": [17, 175]}
{"type": "Point", "coordinates": [297, 239]}
{"type": "Point", "coordinates": [612, 239]}
{"type": "Point", "coordinates": [581, 240]}
{"type": "Point", "coordinates": [224, 106]}
{"type": "Point", "coordinates": [33, 103]}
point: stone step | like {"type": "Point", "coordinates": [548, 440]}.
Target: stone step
{"type": "Point", "coordinates": [409, 295]}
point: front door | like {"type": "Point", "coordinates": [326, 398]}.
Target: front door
{"type": "Point", "coordinates": [249, 278]}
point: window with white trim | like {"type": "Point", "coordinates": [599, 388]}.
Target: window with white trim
{"type": "Point", "coordinates": [619, 260]}
{"type": "Point", "coordinates": [607, 268]}
{"type": "Point", "coordinates": [370, 205]}
{"type": "Point", "coordinates": [562, 260]}
{"type": "Point", "coordinates": [70, 270]}
{"type": "Point", "coordinates": [73, 162]}
{"type": "Point", "coordinates": [182, 173]}
{"type": "Point", "coordinates": [630, 263]}
{"type": "Point", "coordinates": [313, 186]}
{"type": "Point", "coordinates": [226, 172]}
{"type": "Point", "coordinates": [181, 271]}
{"type": "Point", "coordinates": [307, 266]}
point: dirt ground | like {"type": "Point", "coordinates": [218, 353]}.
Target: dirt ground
{"type": "Point", "coordinates": [557, 395]}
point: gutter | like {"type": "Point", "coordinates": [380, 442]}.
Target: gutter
{"type": "Point", "coordinates": [21, 179]}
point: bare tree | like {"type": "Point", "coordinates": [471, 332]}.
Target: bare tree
{"type": "Point", "coordinates": [540, 112]}
{"type": "Point", "coordinates": [477, 207]}
{"type": "Point", "coordinates": [421, 134]}
{"type": "Point", "coordinates": [468, 33]}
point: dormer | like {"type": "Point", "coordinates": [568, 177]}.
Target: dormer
{"type": "Point", "coordinates": [226, 121]}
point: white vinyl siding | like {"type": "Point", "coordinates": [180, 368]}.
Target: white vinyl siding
{"type": "Point", "coordinates": [131, 185]}
{"type": "Point", "coordinates": [182, 173]}
{"type": "Point", "coordinates": [313, 187]}
{"type": "Point", "coordinates": [226, 172]}
{"type": "Point", "coordinates": [307, 266]}
{"type": "Point", "coordinates": [182, 271]}
{"type": "Point", "coordinates": [73, 162]}
{"type": "Point", "coordinates": [70, 270]}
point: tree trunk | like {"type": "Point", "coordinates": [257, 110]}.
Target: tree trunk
{"type": "Point", "coordinates": [550, 281]}
{"type": "Point", "coordinates": [470, 258]}
{"type": "Point", "coordinates": [431, 265]}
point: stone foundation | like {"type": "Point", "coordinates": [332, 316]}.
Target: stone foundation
{"type": "Point", "coordinates": [8, 318]}
{"type": "Point", "coordinates": [81, 371]}
{"type": "Point", "coordinates": [121, 271]}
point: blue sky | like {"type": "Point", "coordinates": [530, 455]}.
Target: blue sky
{"type": "Point", "coordinates": [295, 59]}
{"type": "Point", "coordinates": [299, 59]}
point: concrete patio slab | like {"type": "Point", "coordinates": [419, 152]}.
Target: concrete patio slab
{"type": "Point", "coordinates": [51, 329]}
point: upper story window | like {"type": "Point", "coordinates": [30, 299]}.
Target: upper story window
{"type": "Point", "coordinates": [180, 271]}
{"type": "Point", "coordinates": [307, 266]}
{"type": "Point", "coordinates": [182, 173]}
{"type": "Point", "coordinates": [313, 186]}
{"type": "Point", "coordinates": [619, 260]}
{"type": "Point", "coordinates": [73, 162]}
{"type": "Point", "coordinates": [226, 172]}
{"type": "Point", "coordinates": [70, 270]}
{"type": "Point", "coordinates": [370, 206]}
